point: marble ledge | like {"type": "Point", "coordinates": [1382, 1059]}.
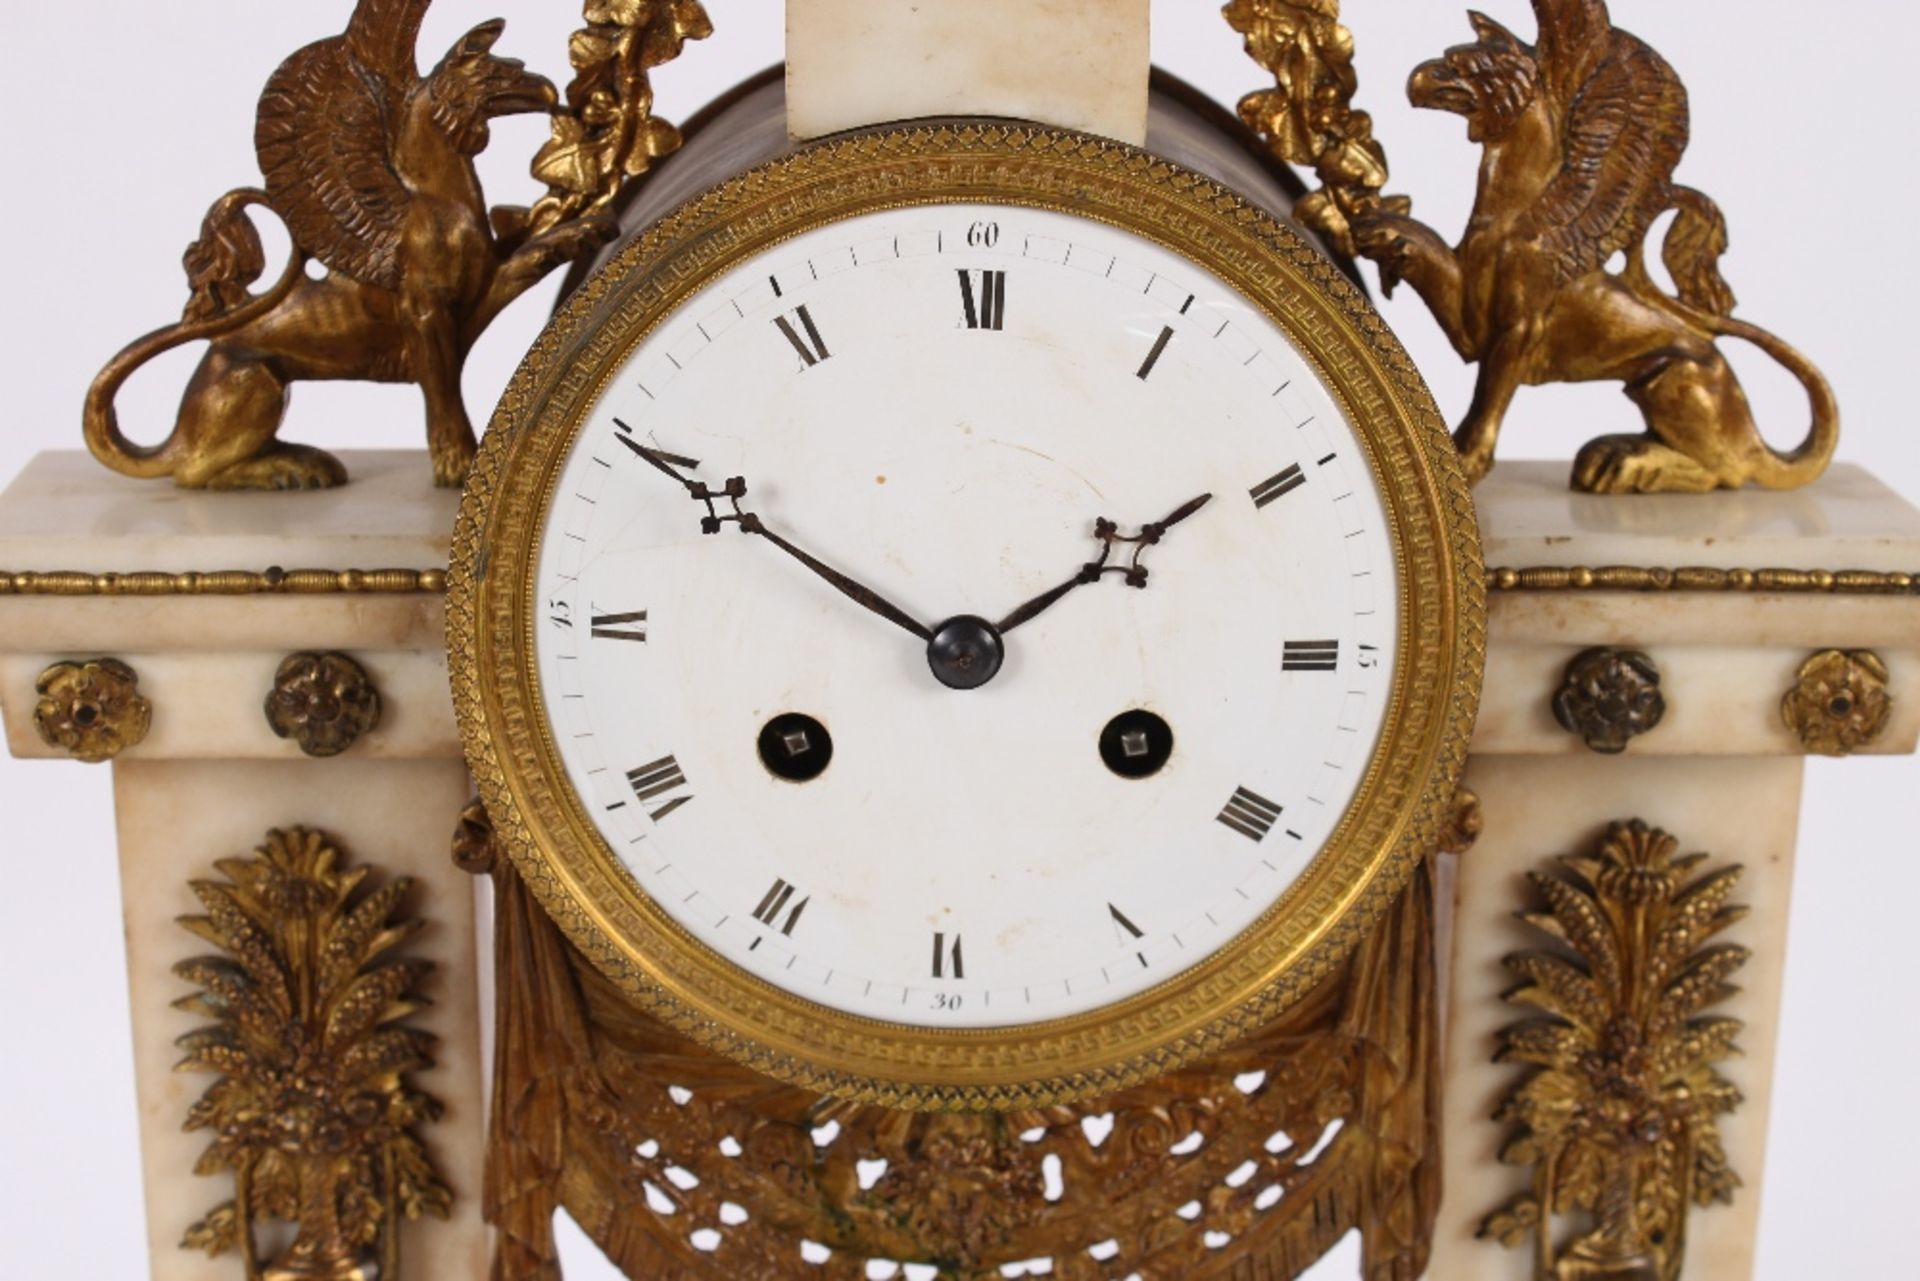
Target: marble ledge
{"type": "Point", "coordinates": [65, 512]}
{"type": "Point", "coordinates": [206, 659]}
{"type": "Point", "coordinates": [1848, 520]}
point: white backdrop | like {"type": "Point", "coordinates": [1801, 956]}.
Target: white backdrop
{"type": "Point", "coordinates": [127, 122]}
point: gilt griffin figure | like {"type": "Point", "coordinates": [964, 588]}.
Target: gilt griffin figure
{"type": "Point", "coordinates": [1582, 133]}
{"type": "Point", "coordinates": [370, 166]}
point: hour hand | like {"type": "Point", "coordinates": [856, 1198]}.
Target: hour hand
{"type": "Point", "coordinates": [1134, 572]}
{"type": "Point", "coordinates": [750, 523]}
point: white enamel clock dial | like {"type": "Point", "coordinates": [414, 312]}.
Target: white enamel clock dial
{"type": "Point", "coordinates": [941, 402]}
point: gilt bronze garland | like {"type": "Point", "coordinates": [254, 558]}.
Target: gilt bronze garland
{"type": "Point", "coordinates": [685, 1166]}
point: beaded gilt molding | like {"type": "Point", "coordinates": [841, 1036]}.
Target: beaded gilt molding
{"type": "Point", "coordinates": [389, 582]}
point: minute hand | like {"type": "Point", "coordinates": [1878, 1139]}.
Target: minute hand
{"type": "Point", "coordinates": [858, 593]}
{"type": "Point", "coordinates": [749, 523]}
{"type": "Point", "coordinates": [1109, 535]}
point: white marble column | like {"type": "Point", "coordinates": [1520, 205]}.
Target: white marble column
{"type": "Point", "coordinates": [1076, 64]}
{"type": "Point", "coordinates": [175, 817]}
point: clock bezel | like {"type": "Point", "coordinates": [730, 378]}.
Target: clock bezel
{"type": "Point", "coordinates": [1388, 827]}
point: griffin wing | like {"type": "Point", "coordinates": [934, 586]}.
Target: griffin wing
{"type": "Point", "coordinates": [324, 138]}
{"type": "Point", "coordinates": [383, 36]}
{"type": "Point", "coordinates": [1574, 40]}
{"type": "Point", "coordinates": [1623, 133]}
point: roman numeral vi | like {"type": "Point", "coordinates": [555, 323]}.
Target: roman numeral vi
{"type": "Point", "coordinates": [947, 962]}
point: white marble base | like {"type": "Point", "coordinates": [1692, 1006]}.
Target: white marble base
{"type": "Point", "coordinates": [1722, 772]}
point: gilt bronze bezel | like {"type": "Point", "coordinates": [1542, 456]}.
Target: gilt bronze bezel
{"type": "Point", "coordinates": [1392, 823]}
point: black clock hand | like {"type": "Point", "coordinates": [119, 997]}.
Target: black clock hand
{"type": "Point", "coordinates": [1110, 537]}
{"type": "Point", "coordinates": [856, 592]}
{"type": "Point", "coordinates": [749, 523]}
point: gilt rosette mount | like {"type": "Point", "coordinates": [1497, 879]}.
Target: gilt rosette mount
{"type": "Point", "coordinates": [1609, 698]}
{"type": "Point", "coordinates": [1839, 703]}
{"type": "Point", "coordinates": [1582, 132]}
{"type": "Point", "coordinates": [93, 711]}
{"type": "Point", "coordinates": [323, 702]}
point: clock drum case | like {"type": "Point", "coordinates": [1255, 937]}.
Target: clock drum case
{"type": "Point", "coordinates": [737, 197]}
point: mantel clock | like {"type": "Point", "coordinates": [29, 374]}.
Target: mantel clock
{"type": "Point", "coordinates": [966, 628]}
{"type": "Point", "coordinates": [969, 615]}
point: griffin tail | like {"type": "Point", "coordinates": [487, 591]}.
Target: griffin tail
{"type": "Point", "coordinates": [1802, 465]}
{"type": "Point", "coordinates": [221, 265]}
{"type": "Point", "coordinates": [1692, 253]}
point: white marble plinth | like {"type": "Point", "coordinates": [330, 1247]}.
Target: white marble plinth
{"type": "Point", "coordinates": [1725, 657]}
{"type": "Point", "coordinates": [66, 512]}
{"type": "Point", "coordinates": [212, 778]}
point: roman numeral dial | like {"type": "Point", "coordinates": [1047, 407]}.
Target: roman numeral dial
{"type": "Point", "coordinates": [1153, 356]}
{"type": "Point", "coordinates": [779, 909]}
{"type": "Point", "coordinates": [620, 627]}
{"type": "Point", "coordinates": [948, 960]}
{"type": "Point", "coordinates": [957, 410]}
{"type": "Point", "coordinates": [1126, 931]}
{"type": "Point", "coordinates": [1311, 656]}
{"type": "Point", "coordinates": [1250, 814]}
{"type": "Point", "coordinates": [1276, 487]}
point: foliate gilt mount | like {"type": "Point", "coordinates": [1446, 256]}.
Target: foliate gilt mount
{"type": "Point", "coordinates": [1582, 133]}
{"type": "Point", "coordinates": [1618, 1117]}
{"type": "Point", "coordinates": [609, 135]}
{"type": "Point", "coordinates": [370, 166]}
{"type": "Point", "coordinates": [314, 1112]}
